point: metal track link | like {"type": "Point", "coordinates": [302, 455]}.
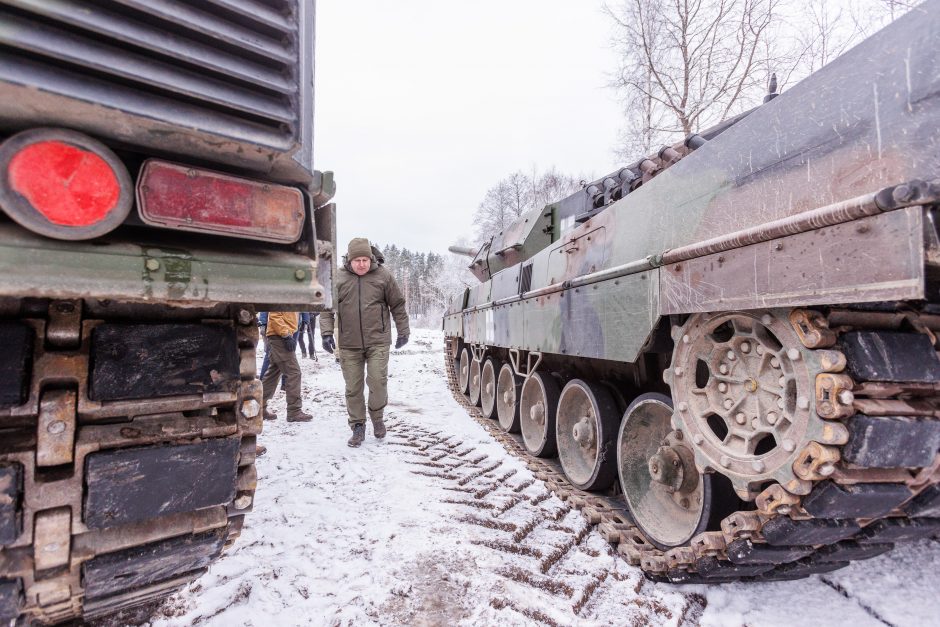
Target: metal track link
{"type": "Point", "coordinates": [879, 487]}
{"type": "Point", "coordinates": [126, 454]}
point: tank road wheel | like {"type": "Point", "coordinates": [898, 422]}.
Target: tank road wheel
{"type": "Point", "coordinates": [538, 403]}
{"type": "Point", "coordinates": [507, 399]}
{"type": "Point", "coordinates": [668, 498]}
{"type": "Point", "coordinates": [476, 374]}
{"type": "Point", "coordinates": [744, 387]}
{"type": "Point", "coordinates": [463, 369]}
{"type": "Point", "coordinates": [586, 428]}
{"type": "Point", "coordinates": [488, 387]}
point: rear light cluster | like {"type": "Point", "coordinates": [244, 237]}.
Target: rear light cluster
{"type": "Point", "coordinates": [66, 185]}
{"type": "Point", "coordinates": [63, 184]}
{"type": "Point", "coordinates": [178, 197]}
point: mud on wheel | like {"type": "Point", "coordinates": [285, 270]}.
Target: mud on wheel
{"type": "Point", "coordinates": [127, 454]}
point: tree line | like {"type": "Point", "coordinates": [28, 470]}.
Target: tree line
{"type": "Point", "coordinates": [428, 281]}
{"type": "Point", "coordinates": [688, 65]}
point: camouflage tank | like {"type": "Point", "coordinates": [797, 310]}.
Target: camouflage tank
{"type": "Point", "coordinates": [725, 354]}
{"type": "Point", "coordinates": [157, 189]}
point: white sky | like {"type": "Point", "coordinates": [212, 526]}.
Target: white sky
{"type": "Point", "coordinates": [422, 105]}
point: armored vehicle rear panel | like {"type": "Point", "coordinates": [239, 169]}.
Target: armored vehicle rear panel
{"type": "Point", "coordinates": [157, 189]}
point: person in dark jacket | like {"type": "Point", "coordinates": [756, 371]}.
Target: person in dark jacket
{"type": "Point", "coordinates": [368, 299]}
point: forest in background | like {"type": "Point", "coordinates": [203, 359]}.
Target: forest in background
{"type": "Point", "coordinates": [428, 280]}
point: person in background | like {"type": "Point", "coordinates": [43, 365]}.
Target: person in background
{"type": "Point", "coordinates": [302, 334]}
{"type": "Point", "coordinates": [263, 325]}
{"type": "Point", "coordinates": [365, 294]}
{"type": "Point", "coordinates": [310, 335]}
{"type": "Point", "coordinates": [280, 330]}
{"type": "Point", "coordinates": [262, 331]}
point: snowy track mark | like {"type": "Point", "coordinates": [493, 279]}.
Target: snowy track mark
{"type": "Point", "coordinates": [543, 543]}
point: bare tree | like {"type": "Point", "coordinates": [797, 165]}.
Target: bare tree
{"type": "Point", "coordinates": [552, 185]}
{"type": "Point", "coordinates": [502, 204]}
{"type": "Point", "coordinates": [894, 9]}
{"type": "Point", "coordinates": [688, 64]}
{"type": "Point", "coordinates": [824, 31]}
{"type": "Point", "coordinates": [515, 195]}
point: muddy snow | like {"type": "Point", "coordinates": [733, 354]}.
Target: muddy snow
{"type": "Point", "coordinates": [437, 525]}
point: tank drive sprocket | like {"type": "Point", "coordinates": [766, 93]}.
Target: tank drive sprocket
{"type": "Point", "coordinates": [743, 385]}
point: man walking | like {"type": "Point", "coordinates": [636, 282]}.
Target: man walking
{"type": "Point", "coordinates": [365, 294]}
{"type": "Point", "coordinates": [281, 343]}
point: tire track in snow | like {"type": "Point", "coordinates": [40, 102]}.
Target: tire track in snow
{"type": "Point", "coordinates": [556, 568]}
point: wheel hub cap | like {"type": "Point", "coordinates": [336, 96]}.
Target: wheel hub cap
{"type": "Point", "coordinates": [583, 432]}
{"type": "Point", "coordinates": [537, 413]}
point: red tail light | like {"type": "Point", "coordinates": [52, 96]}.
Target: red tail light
{"type": "Point", "coordinates": [179, 197]}
{"type": "Point", "coordinates": [63, 184]}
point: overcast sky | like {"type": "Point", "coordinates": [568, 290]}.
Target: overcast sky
{"type": "Point", "coordinates": [422, 105]}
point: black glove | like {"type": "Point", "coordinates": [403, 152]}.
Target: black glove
{"type": "Point", "coordinates": [401, 341]}
{"type": "Point", "coordinates": [328, 344]}
{"type": "Point", "coordinates": [290, 342]}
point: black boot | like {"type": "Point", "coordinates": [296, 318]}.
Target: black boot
{"type": "Point", "coordinates": [359, 434]}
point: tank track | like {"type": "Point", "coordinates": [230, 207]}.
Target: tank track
{"type": "Point", "coordinates": [127, 461]}
{"type": "Point", "coordinates": [865, 494]}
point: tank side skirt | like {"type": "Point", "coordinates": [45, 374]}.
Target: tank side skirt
{"type": "Point", "coordinates": [874, 259]}
{"type": "Point", "coordinates": [612, 317]}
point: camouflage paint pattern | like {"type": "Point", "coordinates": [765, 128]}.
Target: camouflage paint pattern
{"type": "Point", "coordinates": [867, 121]}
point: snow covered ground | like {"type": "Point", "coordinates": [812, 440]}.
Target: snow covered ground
{"type": "Point", "coordinates": [425, 528]}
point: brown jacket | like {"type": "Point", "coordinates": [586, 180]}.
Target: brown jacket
{"type": "Point", "coordinates": [362, 308]}
{"type": "Point", "coordinates": [282, 323]}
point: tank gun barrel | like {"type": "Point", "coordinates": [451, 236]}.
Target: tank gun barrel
{"type": "Point", "coordinates": [463, 250]}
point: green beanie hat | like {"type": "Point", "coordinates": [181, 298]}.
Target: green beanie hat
{"type": "Point", "coordinates": [359, 247]}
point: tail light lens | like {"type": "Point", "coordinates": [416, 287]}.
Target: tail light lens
{"type": "Point", "coordinates": [63, 184]}
{"type": "Point", "coordinates": [179, 197]}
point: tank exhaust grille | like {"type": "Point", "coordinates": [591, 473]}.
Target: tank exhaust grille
{"type": "Point", "coordinates": [217, 67]}
{"type": "Point", "coordinates": [525, 281]}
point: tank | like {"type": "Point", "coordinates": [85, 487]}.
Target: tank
{"type": "Point", "coordinates": [725, 354]}
{"type": "Point", "coordinates": [157, 189]}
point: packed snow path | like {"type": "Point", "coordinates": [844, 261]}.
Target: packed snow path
{"type": "Point", "coordinates": [438, 525]}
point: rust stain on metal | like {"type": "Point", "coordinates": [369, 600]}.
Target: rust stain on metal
{"type": "Point", "coordinates": [56, 428]}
